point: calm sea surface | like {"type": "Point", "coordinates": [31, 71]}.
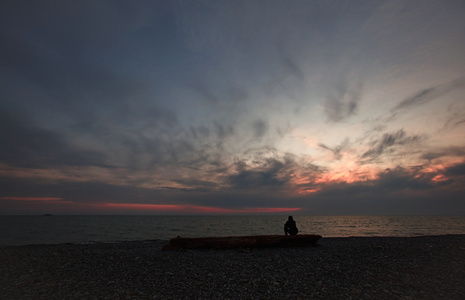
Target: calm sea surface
{"type": "Point", "coordinates": [20, 230]}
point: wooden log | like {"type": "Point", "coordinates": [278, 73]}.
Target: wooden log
{"type": "Point", "coordinates": [231, 242]}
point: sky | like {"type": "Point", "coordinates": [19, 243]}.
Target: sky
{"type": "Point", "coordinates": [232, 107]}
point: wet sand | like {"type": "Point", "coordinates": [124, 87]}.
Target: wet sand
{"type": "Point", "coordinates": [338, 268]}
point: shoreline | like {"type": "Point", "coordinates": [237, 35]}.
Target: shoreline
{"type": "Point", "coordinates": [90, 242]}
{"type": "Point", "coordinates": [420, 267]}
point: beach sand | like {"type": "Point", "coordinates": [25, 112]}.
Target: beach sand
{"type": "Point", "coordinates": [339, 268]}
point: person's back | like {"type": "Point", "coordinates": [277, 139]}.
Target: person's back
{"type": "Point", "coordinates": [290, 227]}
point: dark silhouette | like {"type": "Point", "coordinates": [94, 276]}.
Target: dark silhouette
{"type": "Point", "coordinates": [290, 227]}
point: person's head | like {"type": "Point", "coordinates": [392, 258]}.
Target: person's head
{"type": "Point", "coordinates": [290, 218]}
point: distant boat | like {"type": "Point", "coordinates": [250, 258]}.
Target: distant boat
{"type": "Point", "coordinates": [231, 242]}
{"type": "Point", "coordinates": [47, 215]}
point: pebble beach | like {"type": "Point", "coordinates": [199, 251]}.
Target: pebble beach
{"type": "Point", "coordinates": [431, 267]}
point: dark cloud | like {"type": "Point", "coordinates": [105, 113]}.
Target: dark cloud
{"type": "Point", "coordinates": [389, 181]}
{"type": "Point", "coordinates": [343, 101]}
{"type": "Point", "coordinates": [260, 128]}
{"type": "Point", "coordinates": [266, 170]}
{"type": "Point", "coordinates": [449, 151]}
{"type": "Point", "coordinates": [456, 170]}
{"type": "Point", "coordinates": [81, 196]}
{"type": "Point", "coordinates": [389, 140]}
{"type": "Point", "coordinates": [419, 98]}
{"type": "Point", "coordinates": [24, 144]}
{"type": "Point", "coordinates": [401, 178]}
{"type": "Point", "coordinates": [206, 94]}
{"type": "Point", "coordinates": [136, 139]}
{"type": "Point", "coordinates": [54, 60]}
{"type": "Point", "coordinates": [337, 151]}
{"type": "Point", "coordinates": [78, 192]}
{"type": "Point", "coordinates": [397, 191]}
{"type": "Point", "coordinates": [257, 178]}
{"type": "Point", "coordinates": [201, 132]}
{"type": "Point", "coordinates": [196, 184]}
{"type": "Point", "coordinates": [457, 122]}
{"type": "Point", "coordinates": [223, 131]}
{"type": "Point", "coordinates": [68, 79]}
{"type": "Point", "coordinates": [429, 94]}
{"type": "Point", "coordinates": [294, 69]}
{"type": "Point", "coordinates": [456, 116]}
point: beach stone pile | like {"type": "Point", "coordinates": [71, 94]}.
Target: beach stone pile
{"type": "Point", "coordinates": [338, 268]}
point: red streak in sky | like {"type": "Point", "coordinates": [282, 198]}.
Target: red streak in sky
{"type": "Point", "coordinates": [160, 207]}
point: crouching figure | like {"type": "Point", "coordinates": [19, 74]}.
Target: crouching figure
{"type": "Point", "coordinates": [290, 227]}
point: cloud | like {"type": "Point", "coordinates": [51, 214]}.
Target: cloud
{"type": "Point", "coordinates": [388, 181]}
{"type": "Point", "coordinates": [337, 151]}
{"type": "Point", "coordinates": [396, 191]}
{"type": "Point", "coordinates": [260, 128]}
{"type": "Point", "coordinates": [199, 132]}
{"type": "Point", "coordinates": [26, 145]}
{"type": "Point", "coordinates": [88, 197]}
{"type": "Point", "coordinates": [456, 170]}
{"type": "Point", "coordinates": [429, 94]}
{"type": "Point", "coordinates": [31, 198]}
{"type": "Point", "coordinates": [401, 178]}
{"type": "Point", "coordinates": [260, 172]}
{"type": "Point", "coordinates": [264, 169]}
{"type": "Point", "coordinates": [398, 182]}
{"type": "Point", "coordinates": [205, 92]}
{"type": "Point", "coordinates": [294, 69]}
{"type": "Point", "coordinates": [64, 79]}
{"type": "Point", "coordinates": [444, 152]}
{"type": "Point", "coordinates": [198, 103]}
{"type": "Point", "coordinates": [343, 101]}
{"type": "Point", "coordinates": [196, 184]}
{"type": "Point", "coordinates": [389, 140]}
{"type": "Point", "coordinates": [456, 116]}
{"type": "Point", "coordinates": [266, 175]}
{"type": "Point", "coordinates": [223, 131]}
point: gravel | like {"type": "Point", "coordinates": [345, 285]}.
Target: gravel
{"type": "Point", "coordinates": [338, 268]}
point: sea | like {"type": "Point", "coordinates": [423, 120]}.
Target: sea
{"type": "Point", "coordinates": [57, 229]}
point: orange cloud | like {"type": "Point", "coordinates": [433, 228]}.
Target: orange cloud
{"type": "Point", "coordinates": [306, 191]}
{"type": "Point", "coordinates": [349, 176]}
{"type": "Point", "coordinates": [305, 184]}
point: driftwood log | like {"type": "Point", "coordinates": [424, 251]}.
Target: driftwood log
{"type": "Point", "coordinates": [231, 242]}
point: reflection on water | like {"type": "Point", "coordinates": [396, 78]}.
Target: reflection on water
{"type": "Point", "coordinates": [343, 226]}
{"type": "Point", "coordinates": [16, 230]}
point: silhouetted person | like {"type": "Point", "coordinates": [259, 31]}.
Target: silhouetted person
{"type": "Point", "coordinates": [290, 227]}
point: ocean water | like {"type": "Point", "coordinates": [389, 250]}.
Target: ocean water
{"type": "Point", "coordinates": [21, 230]}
